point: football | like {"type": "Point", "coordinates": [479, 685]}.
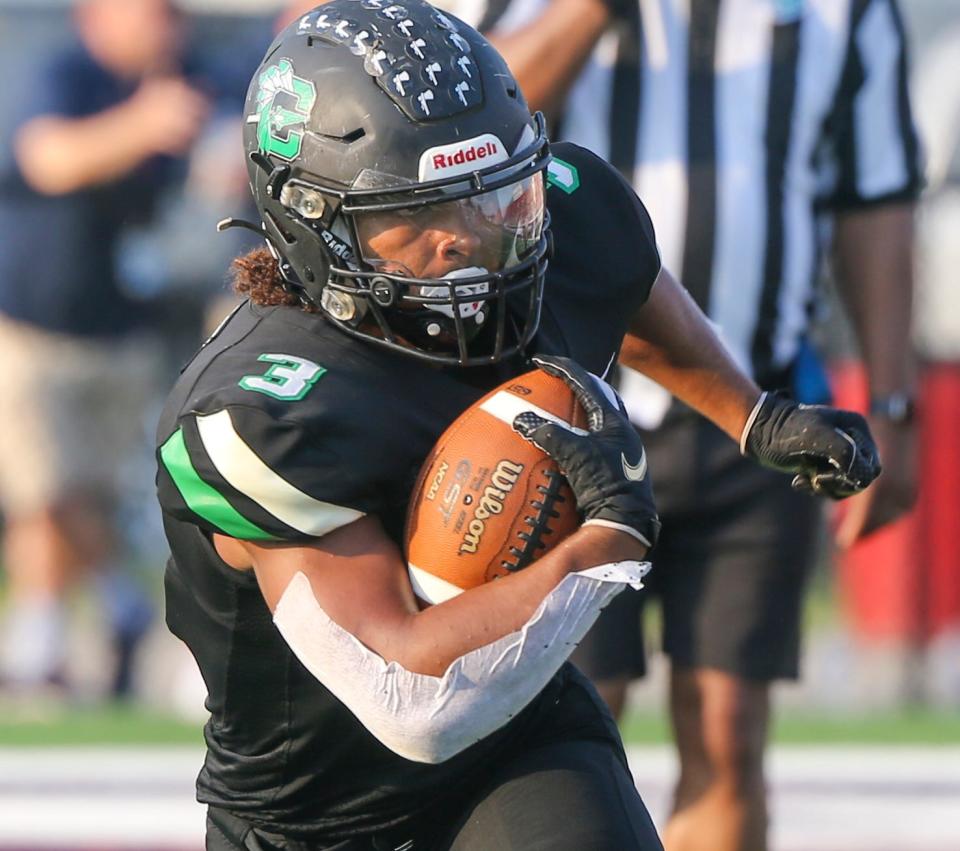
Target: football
{"type": "Point", "coordinates": [487, 502]}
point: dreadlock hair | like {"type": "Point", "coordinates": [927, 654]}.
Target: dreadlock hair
{"type": "Point", "coordinates": [256, 276]}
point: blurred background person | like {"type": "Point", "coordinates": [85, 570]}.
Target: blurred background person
{"type": "Point", "coordinates": [97, 126]}
{"type": "Point", "coordinates": [759, 135]}
{"type": "Point", "coordinates": [177, 257]}
{"type": "Point", "coordinates": [901, 587]}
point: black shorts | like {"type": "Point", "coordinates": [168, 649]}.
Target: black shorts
{"type": "Point", "coordinates": [729, 570]}
{"type": "Point", "coordinates": [563, 794]}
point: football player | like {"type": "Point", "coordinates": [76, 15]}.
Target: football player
{"type": "Point", "coordinates": [409, 204]}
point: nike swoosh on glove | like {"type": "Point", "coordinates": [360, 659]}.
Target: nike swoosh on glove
{"type": "Point", "coordinates": [606, 467]}
{"type": "Point", "coordinates": [829, 451]}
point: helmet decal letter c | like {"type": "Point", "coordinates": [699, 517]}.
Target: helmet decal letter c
{"type": "Point", "coordinates": [284, 103]}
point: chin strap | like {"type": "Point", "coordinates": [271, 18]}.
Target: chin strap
{"type": "Point", "coordinates": [230, 222]}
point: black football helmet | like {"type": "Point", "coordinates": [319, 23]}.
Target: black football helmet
{"type": "Point", "coordinates": [370, 123]}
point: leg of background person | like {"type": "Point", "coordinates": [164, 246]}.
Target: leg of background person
{"type": "Point", "coordinates": [720, 722]}
{"type": "Point", "coordinates": [75, 409]}
{"type": "Point", "coordinates": [116, 391]}
{"type": "Point", "coordinates": [733, 570]}
{"type": "Point", "coordinates": [127, 611]}
{"type": "Point", "coordinates": [44, 551]}
{"type": "Point", "coordinates": [33, 554]}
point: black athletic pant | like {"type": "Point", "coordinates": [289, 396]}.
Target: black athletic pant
{"type": "Point", "coordinates": [567, 796]}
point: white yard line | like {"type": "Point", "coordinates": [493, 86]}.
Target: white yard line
{"type": "Point", "coordinates": [823, 798]}
{"type": "Point", "coordinates": [86, 798]}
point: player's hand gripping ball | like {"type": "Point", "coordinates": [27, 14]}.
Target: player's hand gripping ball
{"type": "Point", "coordinates": [488, 502]}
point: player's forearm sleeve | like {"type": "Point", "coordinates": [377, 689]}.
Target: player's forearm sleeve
{"type": "Point", "coordinates": [430, 719]}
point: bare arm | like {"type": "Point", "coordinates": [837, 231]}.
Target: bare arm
{"type": "Point", "coordinates": [873, 255]}
{"type": "Point", "coordinates": [545, 73]}
{"type": "Point", "coordinates": [671, 341]}
{"type": "Point", "coordinates": [58, 155]}
{"type": "Point", "coordinates": [359, 579]}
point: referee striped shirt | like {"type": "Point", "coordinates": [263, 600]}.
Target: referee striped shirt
{"type": "Point", "coordinates": [738, 122]}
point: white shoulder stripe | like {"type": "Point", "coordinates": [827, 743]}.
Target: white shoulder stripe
{"type": "Point", "coordinates": [244, 470]}
{"type": "Point", "coordinates": [506, 406]}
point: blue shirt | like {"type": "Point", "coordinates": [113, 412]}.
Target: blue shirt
{"type": "Point", "coordinates": [57, 253]}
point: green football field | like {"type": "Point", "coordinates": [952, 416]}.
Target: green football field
{"type": "Point", "coordinates": [130, 725]}
{"type": "Point", "coordinates": [886, 728]}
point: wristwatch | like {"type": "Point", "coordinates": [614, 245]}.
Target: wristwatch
{"type": "Point", "coordinates": [896, 407]}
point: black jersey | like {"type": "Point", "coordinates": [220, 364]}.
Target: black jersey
{"type": "Point", "coordinates": [283, 428]}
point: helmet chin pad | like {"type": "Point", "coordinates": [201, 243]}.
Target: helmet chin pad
{"type": "Point", "coordinates": [435, 333]}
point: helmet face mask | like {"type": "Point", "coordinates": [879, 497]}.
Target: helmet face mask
{"type": "Point", "coordinates": [425, 233]}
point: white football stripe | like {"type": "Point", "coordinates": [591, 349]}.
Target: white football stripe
{"type": "Point", "coordinates": [505, 406]}
{"type": "Point", "coordinates": [245, 471]}
{"type": "Point", "coordinates": [431, 588]}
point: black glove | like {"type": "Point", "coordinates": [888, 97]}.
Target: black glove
{"type": "Point", "coordinates": [607, 467]}
{"type": "Point", "coordinates": [831, 451]}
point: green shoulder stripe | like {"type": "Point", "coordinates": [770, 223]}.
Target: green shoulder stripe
{"type": "Point", "coordinates": [201, 498]}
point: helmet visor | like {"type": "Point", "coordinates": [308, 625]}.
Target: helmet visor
{"type": "Point", "coordinates": [489, 232]}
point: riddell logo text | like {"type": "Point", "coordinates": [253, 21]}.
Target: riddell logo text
{"type": "Point", "coordinates": [462, 157]}
{"type": "Point", "coordinates": [465, 155]}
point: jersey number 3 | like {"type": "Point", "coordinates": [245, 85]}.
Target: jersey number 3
{"type": "Point", "coordinates": [289, 378]}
